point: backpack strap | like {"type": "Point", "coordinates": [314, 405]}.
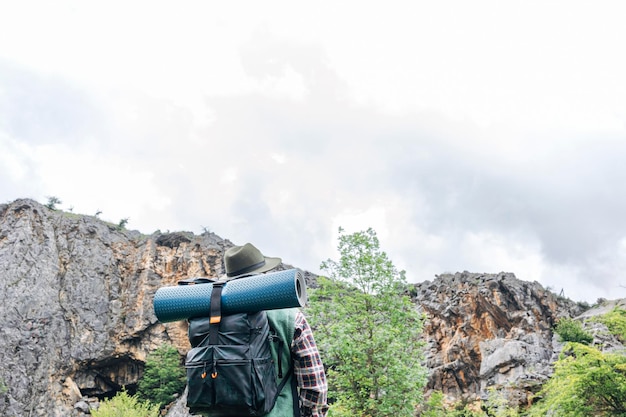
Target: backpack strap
{"type": "Point", "coordinates": [284, 381]}
{"type": "Point", "coordinates": [295, 397]}
{"type": "Point", "coordinates": [290, 373]}
{"type": "Point", "coordinates": [275, 338]}
{"type": "Point", "coordinates": [294, 390]}
{"type": "Point", "coordinates": [215, 317]}
{"type": "Point", "coordinates": [216, 312]}
{"type": "Point", "coordinates": [193, 281]}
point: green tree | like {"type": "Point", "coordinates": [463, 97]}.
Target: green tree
{"type": "Point", "coordinates": [124, 405]}
{"type": "Point", "coordinates": [52, 202]}
{"type": "Point", "coordinates": [586, 382]}
{"type": "Point", "coordinates": [163, 377]}
{"type": "Point", "coordinates": [570, 330]}
{"type": "Point", "coordinates": [122, 224]}
{"type": "Point", "coordinates": [368, 331]}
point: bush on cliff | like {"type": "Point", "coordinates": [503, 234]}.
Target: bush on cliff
{"type": "Point", "coordinates": [615, 320]}
{"type": "Point", "coordinates": [163, 378]}
{"type": "Point", "coordinates": [125, 405]}
{"type": "Point", "coordinates": [586, 382]}
{"type": "Point", "coordinates": [570, 330]}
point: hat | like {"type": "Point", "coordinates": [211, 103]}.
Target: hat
{"type": "Point", "coordinates": [247, 259]}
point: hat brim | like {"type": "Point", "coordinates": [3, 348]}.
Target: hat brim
{"type": "Point", "coordinates": [270, 263]}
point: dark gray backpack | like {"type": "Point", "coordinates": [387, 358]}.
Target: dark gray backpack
{"type": "Point", "coordinates": [230, 369]}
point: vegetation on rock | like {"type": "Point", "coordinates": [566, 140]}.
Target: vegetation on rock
{"type": "Point", "coordinates": [125, 405]}
{"type": "Point", "coordinates": [164, 378]}
{"type": "Point", "coordinates": [495, 406]}
{"type": "Point", "coordinates": [570, 330]}
{"type": "Point", "coordinates": [586, 382]}
{"type": "Point", "coordinates": [615, 321]}
{"type": "Point", "coordinates": [52, 202]}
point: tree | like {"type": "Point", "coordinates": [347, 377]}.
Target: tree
{"type": "Point", "coordinates": [368, 332]}
{"type": "Point", "coordinates": [125, 405]}
{"type": "Point", "coordinates": [122, 224]}
{"type": "Point", "coordinates": [52, 202]}
{"type": "Point", "coordinates": [163, 377]}
{"type": "Point", "coordinates": [586, 382]}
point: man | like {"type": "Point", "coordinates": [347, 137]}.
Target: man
{"type": "Point", "coordinates": [311, 394]}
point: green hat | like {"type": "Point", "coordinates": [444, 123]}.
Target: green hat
{"type": "Point", "coordinates": [247, 259]}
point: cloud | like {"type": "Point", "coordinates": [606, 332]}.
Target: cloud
{"type": "Point", "coordinates": [45, 109]}
{"type": "Point", "coordinates": [466, 140]}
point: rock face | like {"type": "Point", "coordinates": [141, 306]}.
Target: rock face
{"type": "Point", "coordinates": [76, 315]}
{"type": "Point", "coordinates": [489, 330]}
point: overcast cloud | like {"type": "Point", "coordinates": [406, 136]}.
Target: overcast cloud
{"type": "Point", "coordinates": [479, 136]}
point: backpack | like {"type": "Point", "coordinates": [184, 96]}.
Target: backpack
{"type": "Point", "coordinates": [230, 368]}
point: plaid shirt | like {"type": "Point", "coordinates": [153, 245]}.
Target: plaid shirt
{"type": "Point", "coordinates": [309, 370]}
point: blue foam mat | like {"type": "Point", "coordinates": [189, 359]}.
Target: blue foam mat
{"type": "Point", "coordinates": [275, 290]}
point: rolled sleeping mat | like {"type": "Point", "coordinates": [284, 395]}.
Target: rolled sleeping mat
{"type": "Point", "coordinates": [271, 291]}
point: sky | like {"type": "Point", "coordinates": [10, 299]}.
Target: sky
{"type": "Point", "coordinates": [484, 136]}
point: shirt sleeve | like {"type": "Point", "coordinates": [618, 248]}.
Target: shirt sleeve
{"type": "Point", "coordinates": [309, 370]}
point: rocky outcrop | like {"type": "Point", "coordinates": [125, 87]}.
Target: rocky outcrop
{"type": "Point", "coordinates": [489, 330]}
{"type": "Point", "coordinates": [76, 315]}
{"type": "Point", "coordinates": [603, 338]}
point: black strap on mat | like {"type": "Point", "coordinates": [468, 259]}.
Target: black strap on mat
{"type": "Point", "coordinates": [194, 281]}
{"type": "Point", "coordinates": [216, 312]}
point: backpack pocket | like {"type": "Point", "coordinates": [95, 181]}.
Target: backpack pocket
{"type": "Point", "coordinates": [198, 363]}
{"type": "Point", "coordinates": [222, 379]}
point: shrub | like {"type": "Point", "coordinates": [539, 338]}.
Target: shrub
{"type": "Point", "coordinates": [498, 406]}
{"type": "Point", "coordinates": [434, 406]}
{"type": "Point", "coordinates": [586, 382]}
{"type": "Point", "coordinates": [465, 411]}
{"type": "Point", "coordinates": [616, 322]}
{"type": "Point", "coordinates": [163, 376]}
{"type": "Point", "coordinates": [124, 405]}
{"type": "Point", "coordinates": [570, 330]}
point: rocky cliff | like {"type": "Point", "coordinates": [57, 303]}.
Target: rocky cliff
{"type": "Point", "coordinates": [76, 316]}
{"type": "Point", "coordinates": [490, 331]}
